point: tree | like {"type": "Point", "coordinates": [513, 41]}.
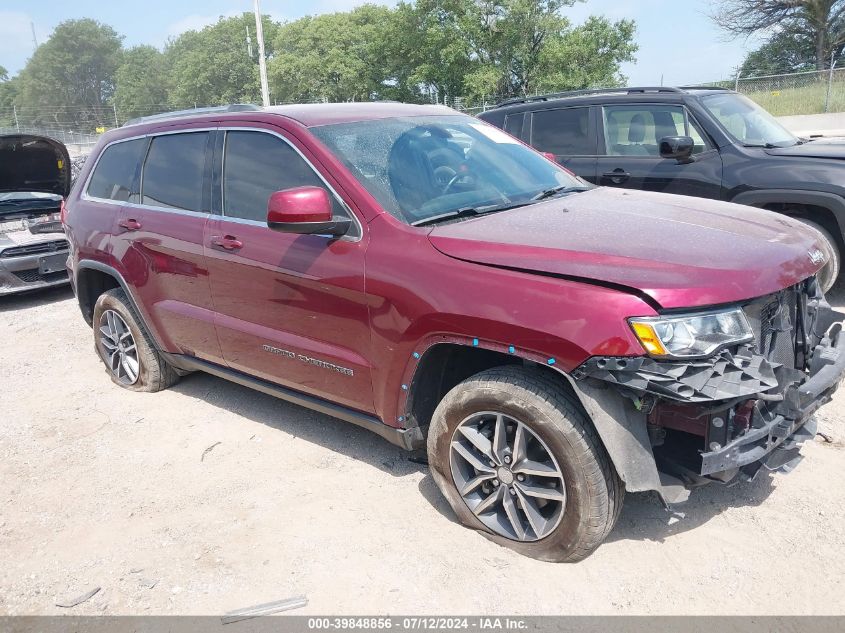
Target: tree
{"type": "Point", "coordinates": [8, 93]}
{"type": "Point", "coordinates": [69, 80]}
{"type": "Point", "coordinates": [514, 47]}
{"type": "Point", "coordinates": [213, 66]}
{"type": "Point", "coordinates": [822, 22]}
{"type": "Point", "coordinates": [333, 57]}
{"type": "Point", "coordinates": [140, 83]}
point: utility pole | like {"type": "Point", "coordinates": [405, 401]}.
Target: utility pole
{"type": "Point", "coordinates": [15, 110]}
{"type": "Point", "coordinates": [262, 63]}
{"type": "Point", "coordinates": [34, 39]}
{"type": "Point", "coordinates": [248, 42]}
{"type": "Point", "coordinates": [114, 107]}
{"type": "Point", "coordinates": [736, 83]}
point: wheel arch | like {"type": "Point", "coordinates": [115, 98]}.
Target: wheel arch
{"type": "Point", "coordinates": [93, 278]}
{"type": "Point", "coordinates": [620, 426]}
{"type": "Point", "coordinates": [828, 209]}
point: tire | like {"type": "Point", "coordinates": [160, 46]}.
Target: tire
{"type": "Point", "coordinates": [828, 275]}
{"type": "Point", "coordinates": [593, 492]}
{"type": "Point", "coordinates": [151, 372]}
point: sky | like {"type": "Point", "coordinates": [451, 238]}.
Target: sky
{"type": "Point", "coordinates": [677, 41]}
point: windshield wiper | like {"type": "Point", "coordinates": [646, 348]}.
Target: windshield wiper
{"type": "Point", "coordinates": [466, 212]}
{"type": "Point", "coordinates": [548, 193]}
{"type": "Point", "coordinates": [763, 145]}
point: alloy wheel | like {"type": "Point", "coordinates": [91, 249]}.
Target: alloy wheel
{"type": "Point", "coordinates": [118, 349]}
{"type": "Point", "coordinates": [507, 476]}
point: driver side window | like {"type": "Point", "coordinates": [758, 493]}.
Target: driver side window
{"type": "Point", "coordinates": [637, 130]}
{"type": "Point", "coordinates": [256, 164]}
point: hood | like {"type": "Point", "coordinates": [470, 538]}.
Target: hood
{"type": "Point", "coordinates": [34, 164]}
{"type": "Point", "coordinates": [833, 147]}
{"type": "Point", "coordinates": [678, 251]}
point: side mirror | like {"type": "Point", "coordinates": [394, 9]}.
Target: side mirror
{"type": "Point", "coordinates": [677, 147]}
{"type": "Point", "coordinates": [305, 210]}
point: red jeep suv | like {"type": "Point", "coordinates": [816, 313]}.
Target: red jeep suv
{"type": "Point", "coordinates": [424, 275]}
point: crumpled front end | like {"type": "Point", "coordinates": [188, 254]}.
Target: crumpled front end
{"type": "Point", "coordinates": [743, 408]}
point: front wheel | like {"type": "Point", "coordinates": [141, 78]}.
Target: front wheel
{"type": "Point", "coordinates": [517, 459]}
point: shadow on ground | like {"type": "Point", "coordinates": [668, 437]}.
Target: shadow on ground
{"type": "Point", "coordinates": [35, 298]}
{"type": "Point", "coordinates": [336, 435]}
{"type": "Point", "coordinates": [643, 515]}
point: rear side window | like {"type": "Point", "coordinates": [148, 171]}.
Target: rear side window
{"type": "Point", "coordinates": [114, 175]}
{"type": "Point", "coordinates": [173, 173]}
{"type": "Point", "coordinates": [255, 165]}
{"type": "Point", "coordinates": [513, 124]}
{"type": "Point", "coordinates": [564, 132]}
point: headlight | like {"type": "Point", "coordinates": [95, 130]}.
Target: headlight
{"type": "Point", "coordinates": [692, 335]}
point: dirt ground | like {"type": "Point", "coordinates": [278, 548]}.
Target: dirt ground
{"type": "Point", "coordinates": [211, 497]}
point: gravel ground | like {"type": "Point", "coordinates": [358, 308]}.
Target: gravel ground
{"type": "Point", "coordinates": [211, 497]}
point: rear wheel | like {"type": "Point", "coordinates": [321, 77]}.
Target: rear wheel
{"type": "Point", "coordinates": [828, 275]}
{"type": "Point", "coordinates": [125, 347]}
{"type": "Point", "coordinates": [518, 460]}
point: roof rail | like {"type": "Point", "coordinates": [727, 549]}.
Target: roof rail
{"type": "Point", "coordinates": [706, 88]}
{"type": "Point", "coordinates": [232, 107]}
{"type": "Point", "coordinates": [590, 91]}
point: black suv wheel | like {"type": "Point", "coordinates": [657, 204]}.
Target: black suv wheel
{"type": "Point", "coordinates": [126, 348]}
{"type": "Point", "coordinates": [518, 460]}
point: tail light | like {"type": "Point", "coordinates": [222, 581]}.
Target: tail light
{"type": "Point", "coordinates": [63, 213]}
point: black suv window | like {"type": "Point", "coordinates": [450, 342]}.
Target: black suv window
{"type": "Point", "coordinates": [564, 132]}
{"type": "Point", "coordinates": [114, 175]}
{"type": "Point", "coordinates": [636, 130]}
{"type": "Point", "coordinates": [513, 124]}
{"type": "Point", "coordinates": [173, 173]}
{"type": "Point", "coordinates": [256, 164]}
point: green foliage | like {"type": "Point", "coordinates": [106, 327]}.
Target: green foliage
{"type": "Point", "coordinates": [332, 57]}
{"type": "Point", "coordinates": [141, 85]}
{"type": "Point", "coordinates": [785, 52]}
{"type": "Point", "coordinates": [212, 66]}
{"type": "Point", "coordinates": [8, 93]}
{"type": "Point", "coordinates": [415, 51]}
{"type": "Point", "coordinates": [511, 47]}
{"type": "Point", "coordinates": [69, 80]}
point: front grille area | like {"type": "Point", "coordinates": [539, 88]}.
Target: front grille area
{"type": "Point", "coordinates": [54, 246]}
{"type": "Point", "coordinates": [773, 320]}
{"type": "Point", "coordinates": [32, 275]}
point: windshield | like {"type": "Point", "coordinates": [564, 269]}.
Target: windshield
{"type": "Point", "coordinates": [747, 122]}
{"type": "Point", "coordinates": [421, 168]}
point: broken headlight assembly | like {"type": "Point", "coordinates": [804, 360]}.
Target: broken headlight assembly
{"type": "Point", "coordinates": [693, 335]}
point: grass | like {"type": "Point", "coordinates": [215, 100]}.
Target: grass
{"type": "Point", "coordinates": [808, 99]}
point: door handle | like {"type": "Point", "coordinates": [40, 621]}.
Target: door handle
{"type": "Point", "coordinates": [617, 176]}
{"type": "Point", "coordinates": [130, 224]}
{"type": "Point", "coordinates": [226, 242]}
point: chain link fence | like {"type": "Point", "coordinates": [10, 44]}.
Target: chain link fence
{"type": "Point", "coordinates": [812, 92]}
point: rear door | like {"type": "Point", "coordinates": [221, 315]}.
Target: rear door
{"type": "Point", "coordinates": [159, 242]}
{"type": "Point", "coordinates": [291, 309]}
{"type": "Point", "coordinates": [630, 145]}
{"type": "Point", "coordinates": [569, 134]}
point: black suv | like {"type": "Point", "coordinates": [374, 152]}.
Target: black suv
{"type": "Point", "coordinates": [705, 142]}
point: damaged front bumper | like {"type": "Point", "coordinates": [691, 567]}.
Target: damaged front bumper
{"type": "Point", "coordinates": [734, 413]}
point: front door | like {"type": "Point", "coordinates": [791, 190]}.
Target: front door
{"type": "Point", "coordinates": [290, 308]}
{"type": "Point", "coordinates": [631, 152]}
{"type": "Point", "coordinates": [159, 241]}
